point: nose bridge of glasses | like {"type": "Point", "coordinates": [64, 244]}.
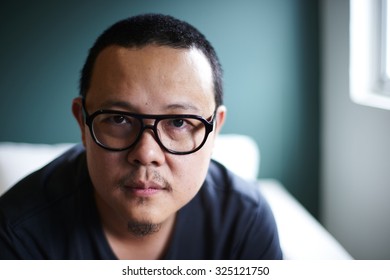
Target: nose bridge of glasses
{"type": "Point", "coordinates": [152, 125]}
{"type": "Point", "coordinates": [154, 133]}
{"type": "Point", "coordinates": [148, 126]}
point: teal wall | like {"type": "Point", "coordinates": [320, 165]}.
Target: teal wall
{"type": "Point", "coordinates": [269, 50]}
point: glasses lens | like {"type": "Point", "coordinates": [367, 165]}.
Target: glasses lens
{"type": "Point", "coordinates": [115, 131]}
{"type": "Point", "coordinates": [181, 134]}
{"type": "Point", "coordinates": [120, 131]}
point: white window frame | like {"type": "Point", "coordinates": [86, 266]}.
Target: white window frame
{"type": "Point", "coordinates": [385, 45]}
{"type": "Point", "coordinates": [368, 83]}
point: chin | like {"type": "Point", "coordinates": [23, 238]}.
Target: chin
{"type": "Point", "coordinates": [142, 229]}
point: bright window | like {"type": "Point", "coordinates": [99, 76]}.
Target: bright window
{"type": "Point", "coordinates": [386, 44]}
{"type": "Point", "coordinates": [370, 52]}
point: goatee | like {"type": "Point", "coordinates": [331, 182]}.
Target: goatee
{"type": "Point", "coordinates": [142, 229]}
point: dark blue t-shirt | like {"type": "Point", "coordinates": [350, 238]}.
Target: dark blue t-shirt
{"type": "Point", "coordinates": [51, 214]}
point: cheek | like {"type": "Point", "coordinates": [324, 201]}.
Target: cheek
{"type": "Point", "coordinates": [189, 172]}
{"type": "Point", "coordinates": [102, 167]}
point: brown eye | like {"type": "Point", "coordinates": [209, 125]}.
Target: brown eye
{"type": "Point", "coordinates": [178, 123]}
{"type": "Point", "coordinates": [118, 119]}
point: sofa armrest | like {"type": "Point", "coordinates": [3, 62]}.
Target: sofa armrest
{"type": "Point", "coordinates": [301, 235]}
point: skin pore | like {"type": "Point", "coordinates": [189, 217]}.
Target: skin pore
{"type": "Point", "coordinates": [139, 191]}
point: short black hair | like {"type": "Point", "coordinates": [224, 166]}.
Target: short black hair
{"type": "Point", "coordinates": [158, 29]}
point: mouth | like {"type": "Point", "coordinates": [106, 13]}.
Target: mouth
{"type": "Point", "coordinates": [144, 189]}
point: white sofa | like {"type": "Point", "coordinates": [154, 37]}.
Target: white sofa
{"type": "Point", "coordinates": [301, 236]}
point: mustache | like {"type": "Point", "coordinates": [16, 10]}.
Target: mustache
{"type": "Point", "coordinates": [146, 176]}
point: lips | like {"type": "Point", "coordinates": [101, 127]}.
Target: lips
{"type": "Point", "coordinates": [144, 189]}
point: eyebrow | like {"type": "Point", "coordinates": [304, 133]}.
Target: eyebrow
{"type": "Point", "coordinates": [183, 106]}
{"type": "Point", "coordinates": [116, 103]}
{"type": "Point", "coordinates": [129, 107]}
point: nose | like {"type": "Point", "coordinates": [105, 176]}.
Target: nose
{"type": "Point", "coordinates": [147, 150]}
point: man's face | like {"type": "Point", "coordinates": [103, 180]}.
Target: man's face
{"type": "Point", "coordinates": [146, 184]}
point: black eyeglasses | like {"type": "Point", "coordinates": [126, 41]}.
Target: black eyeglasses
{"type": "Point", "coordinates": [177, 134]}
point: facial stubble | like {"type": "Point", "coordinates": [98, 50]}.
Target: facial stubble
{"type": "Point", "coordinates": [144, 228]}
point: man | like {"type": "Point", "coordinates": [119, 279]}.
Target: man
{"type": "Point", "coordinates": [142, 185]}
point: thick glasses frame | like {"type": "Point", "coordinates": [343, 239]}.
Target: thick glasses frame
{"type": "Point", "coordinates": [209, 126]}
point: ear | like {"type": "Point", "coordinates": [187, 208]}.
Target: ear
{"type": "Point", "coordinates": [220, 117]}
{"type": "Point", "coordinates": [77, 110]}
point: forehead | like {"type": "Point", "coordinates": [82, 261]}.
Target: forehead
{"type": "Point", "coordinates": [153, 75]}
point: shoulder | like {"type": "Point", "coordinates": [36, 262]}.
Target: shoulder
{"type": "Point", "coordinates": [41, 209]}
{"type": "Point", "coordinates": [43, 187]}
{"type": "Point", "coordinates": [227, 184]}
{"type": "Point", "coordinates": [50, 211]}
{"type": "Point", "coordinates": [240, 212]}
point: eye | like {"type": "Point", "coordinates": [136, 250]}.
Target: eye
{"type": "Point", "coordinates": [178, 123]}
{"type": "Point", "coordinates": [112, 119]}
{"type": "Point", "coordinates": [118, 119]}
